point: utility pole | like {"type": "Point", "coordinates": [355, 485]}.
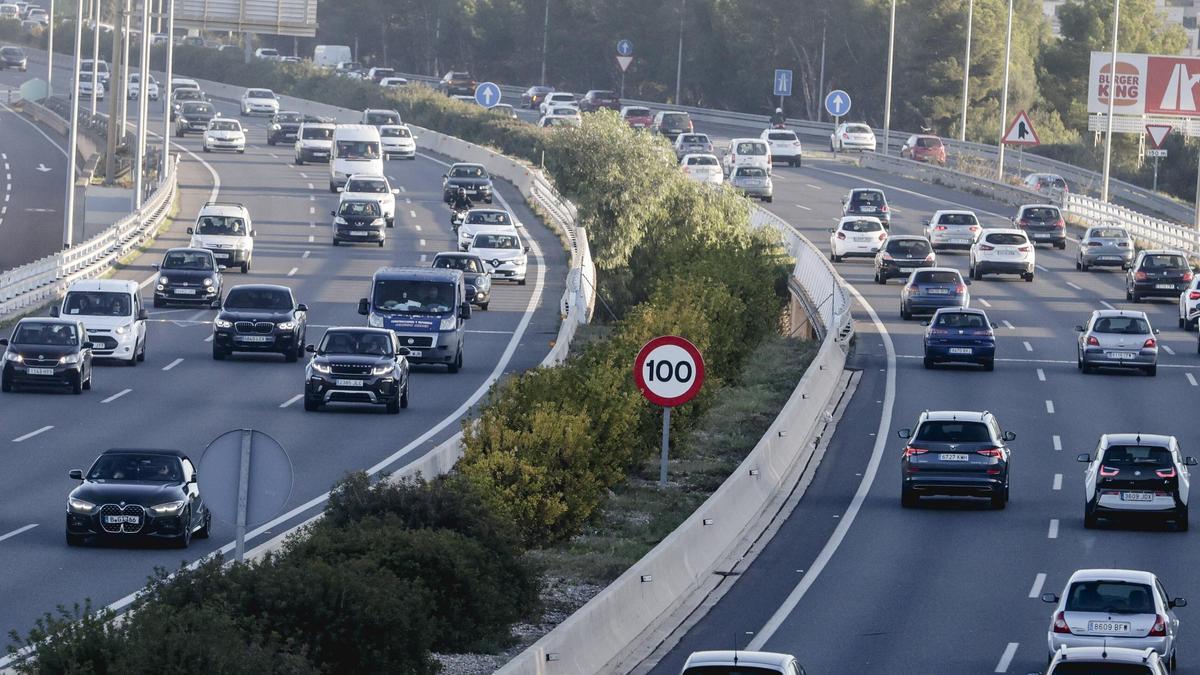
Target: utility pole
{"type": "Point", "coordinates": [962, 123]}
{"type": "Point", "coordinates": [95, 53]}
{"type": "Point", "coordinates": [887, 97]}
{"type": "Point", "coordinates": [821, 78]}
{"type": "Point", "coordinates": [123, 71]}
{"type": "Point", "coordinates": [166, 89]}
{"type": "Point", "coordinates": [115, 130]}
{"type": "Point", "coordinates": [1112, 97]}
{"type": "Point", "coordinates": [545, 40]}
{"type": "Point", "coordinates": [679, 63]}
{"type": "Point", "coordinates": [1004, 95]}
{"type": "Point", "coordinates": [50, 55]}
{"type": "Point", "coordinates": [73, 136]}
{"type": "Point", "coordinates": [139, 168]}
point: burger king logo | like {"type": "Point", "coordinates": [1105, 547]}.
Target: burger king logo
{"type": "Point", "coordinates": [1126, 85]}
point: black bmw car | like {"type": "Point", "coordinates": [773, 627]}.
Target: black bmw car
{"type": "Point", "coordinates": [357, 365]}
{"type": "Point", "coordinates": [188, 275]}
{"type": "Point", "coordinates": [138, 493]}
{"type": "Point", "coordinates": [260, 318]}
{"type": "Point", "coordinates": [471, 177]}
{"type": "Point", "coordinates": [283, 127]}
{"type": "Point", "coordinates": [475, 274]}
{"type": "Point", "coordinates": [46, 352]}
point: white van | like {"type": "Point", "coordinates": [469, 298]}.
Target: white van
{"type": "Point", "coordinates": [747, 152]}
{"type": "Point", "coordinates": [328, 56]}
{"type": "Point", "coordinates": [101, 69]}
{"type": "Point", "coordinates": [112, 313]}
{"type": "Point", "coordinates": [225, 229]}
{"type": "Point", "coordinates": [356, 149]}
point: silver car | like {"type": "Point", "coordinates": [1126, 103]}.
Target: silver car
{"type": "Point", "coordinates": [952, 229]}
{"type": "Point", "coordinates": [692, 144]}
{"type": "Point", "coordinates": [1114, 608]}
{"type": "Point", "coordinates": [1105, 246]}
{"type": "Point", "coordinates": [1116, 338]}
{"type": "Point", "coordinates": [752, 181]}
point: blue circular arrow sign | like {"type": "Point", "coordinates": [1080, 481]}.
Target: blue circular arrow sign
{"type": "Point", "coordinates": [837, 103]}
{"type": "Point", "coordinates": [624, 48]}
{"type": "Point", "coordinates": [487, 94]}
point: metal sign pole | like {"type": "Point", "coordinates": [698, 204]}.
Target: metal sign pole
{"type": "Point", "coordinates": [1197, 216]}
{"type": "Point", "coordinates": [666, 439]}
{"type": "Point", "coordinates": [1154, 188]}
{"type": "Point", "coordinates": [1004, 96]}
{"type": "Point", "coordinates": [622, 84]}
{"type": "Point", "coordinates": [243, 495]}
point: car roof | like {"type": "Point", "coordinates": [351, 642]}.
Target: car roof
{"type": "Point", "coordinates": [944, 212]}
{"type": "Point", "coordinates": [261, 287]}
{"type": "Point", "coordinates": [1004, 230]}
{"type": "Point", "coordinates": [1038, 206]}
{"type": "Point", "coordinates": [359, 329]}
{"type": "Point", "coordinates": [223, 209]}
{"type": "Point", "coordinates": [66, 321]}
{"type": "Point", "coordinates": [1137, 439]}
{"type": "Point", "coordinates": [469, 164]}
{"type": "Point", "coordinates": [104, 285]}
{"type": "Point", "coordinates": [455, 254]}
{"type": "Point", "coordinates": [418, 273]}
{"type": "Point", "coordinates": [959, 310]}
{"type": "Point", "coordinates": [187, 249]}
{"type": "Point", "coordinates": [380, 110]}
{"type": "Point", "coordinates": [1160, 251]}
{"type": "Point", "coordinates": [1104, 313]}
{"type": "Point", "coordinates": [1101, 574]}
{"type": "Point", "coordinates": [954, 415]}
{"type": "Point", "coordinates": [146, 451]}
{"type": "Point", "coordinates": [725, 657]}
{"type": "Point", "coordinates": [1105, 653]}
{"type": "Point", "coordinates": [855, 219]}
{"type": "Point", "coordinates": [393, 126]}
{"type": "Point", "coordinates": [866, 189]}
{"type": "Point", "coordinates": [938, 269]}
{"type": "Point", "coordinates": [488, 209]}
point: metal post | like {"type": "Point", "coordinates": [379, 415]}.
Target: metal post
{"type": "Point", "coordinates": [821, 78]}
{"type": "Point", "coordinates": [622, 84]}
{"type": "Point", "coordinates": [1112, 97]}
{"type": "Point", "coordinates": [50, 56]}
{"type": "Point", "coordinates": [1197, 216]}
{"type": "Point", "coordinates": [962, 124]}
{"type": "Point", "coordinates": [666, 442]}
{"type": "Point", "coordinates": [887, 97]}
{"type": "Point", "coordinates": [243, 495]}
{"type": "Point", "coordinates": [1154, 187]}
{"type": "Point", "coordinates": [95, 53]}
{"type": "Point", "coordinates": [73, 136]}
{"type": "Point", "coordinates": [1004, 95]}
{"type": "Point", "coordinates": [115, 132]}
{"type": "Point", "coordinates": [123, 74]}
{"type": "Point", "coordinates": [545, 40]}
{"type": "Point", "coordinates": [679, 63]}
{"type": "Point", "coordinates": [165, 90]}
{"type": "Point", "coordinates": [139, 169]}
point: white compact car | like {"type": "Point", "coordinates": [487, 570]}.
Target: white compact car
{"type": "Point", "coordinates": [259, 102]}
{"type": "Point", "coordinates": [112, 313]}
{"type": "Point", "coordinates": [1133, 475]}
{"type": "Point", "coordinates": [557, 99]}
{"type": "Point", "coordinates": [397, 141]}
{"type": "Point", "coordinates": [852, 136]}
{"type": "Point", "coordinates": [377, 188]}
{"type": "Point", "coordinates": [225, 229]}
{"type": "Point", "coordinates": [1114, 608]}
{"type": "Point", "coordinates": [1002, 251]}
{"type": "Point", "coordinates": [704, 169]}
{"type": "Point", "coordinates": [501, 249]}
{"type": "Point", "coordinates": [784, 145]}
{"type": "Point", "coordinates": [85, 87]}
{"type": "Point", "coordinates": [135, 87]}
{"type": "Point", "coordinates": [224, 134]}
{"type": "Point", "coordinates": [476, 219]}
{"type": "Point", "coordinates": [747, 152]}
{"type": "Point", "coordinates": [952, 229]}
{"type": "Point", "coordinates": [1106, 660]}
{"type": "Point", "coordinates": [758, 663]}
{"type": "Point", "coordinates": [1189, 305]}
{"type": "Point", "coordinates": [856, 236]}
{"type": "Point", "coordinates": [314, 142]}
{"type": "Point", "coordinates": [184, 83]}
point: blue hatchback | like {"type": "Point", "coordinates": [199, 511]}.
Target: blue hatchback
{"type": "Point", "coordinates": [963, 335]}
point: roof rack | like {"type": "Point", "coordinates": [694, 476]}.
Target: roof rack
{"type": "Point", "coordinates": [237, 204]}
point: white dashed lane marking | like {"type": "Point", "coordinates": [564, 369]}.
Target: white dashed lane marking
{"type": "Point", "coordinates": [291, 400]}
{"type": "Point", "coordinates": [1038, 581]}
{"type": "Point", "coordinates": [1191, 380]}
{"type": "Point", "coordinates": [1167, 349]}
{"type": "Point", "coordinates": [1057, 486]}
{"type": "Point", "coordinates": [1049, 407]}
{"type": "Point", "coordinates": [1041, 375]}
{"type": "Point", "coordinates": [1008, 325]}
{"type": "Point", "coordinates": [1006, 658]}
{"type": "Point", "coordinates": [31, 434]}
{"type": "Point", "coordinates": [1074, 286]}
{"type": "Point", "coordinates": [1057, 440]}
{"type": "Point", "coordinates": [116, 396]}
{"type": "Point", "coordinates": [172, 364]}
{"type": "Point", "coordinates": [1052, 533]}
{"type": "Point", "coordinates": [983, 302]}
{"type": "Point", "coordinates": [292, 272]}
{"type": "Point", "coordinates": [17, 531]}
{"type": "Point", "coordinates": [1028, 347]}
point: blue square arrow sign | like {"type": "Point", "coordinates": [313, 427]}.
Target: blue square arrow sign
{"type": "Point", "coordinates": [783, 82]}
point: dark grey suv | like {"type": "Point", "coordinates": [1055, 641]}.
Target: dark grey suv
{"type": "Point", "coordinates": [955, 453]}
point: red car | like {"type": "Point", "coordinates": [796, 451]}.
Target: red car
{"type": "Point", "coordinates": [637, 116]}
{"type": "Point", "coordinates": [924, 148]}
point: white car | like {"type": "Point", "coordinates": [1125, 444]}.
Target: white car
{"type": "Point", "coordinates": [1002, 251]}
{"type": "Point", "coordinates": [135, 87]}
{"type": "Point", "coordinates": [224, 134]}
{"type": "Point", "coordinates": [259, 102]}
{"type": "Point", "coordinates": [398, 141]}
{"type": "Point", "coordinates": [314, 142]}
{"type": "Point", "coordinates": [393, 82]}
{"type": "Point", "coordinates": [564, 111]}
{"type": "Point", "coordinates": [758, 663]}
{"type": "Point", "coordinates": [852, 136]}
{"type": "Point", "coordinates": [1069, 660]}
{"type": "Point", "coordinates": [784, 145]}
{"type": "Point", "coordinates": [225, 229]}
{"type": "Point", "coordinates": [266, 54]}
{"type": "Point", "coordinates": [703, 168]}
{"type": "Point", "coordinates": [501, 249]}
{"type": "Point", "coordinates": [952, 229]}
{"type": "Point", "coordinates": [747, 152]}
{"type": "Point", "coordinates": [478, 218]}
{"type": "Point", "coordinates": [112, 313]}
{"type": "Point", "coordinates": [100, 66]}
{"type": "Point", "coordinates": [861, 236]}
{"type": "Point", "coordinates": [1137, 475]}
{"type": "Point", "coordinates": [85, 87]}
{"type": "Point", "coordinates": [178, 83]}
{"type": "Point", "coordinates": [558, 99]}
{"type": "Point", "coordinates": [1114, 608]}
{"type": "Point", "coordinates": [560, 121]}
{"type": "Point", "coordinates": [1189, 305]}
{"type": "Point", "coordinates": [362, 186]}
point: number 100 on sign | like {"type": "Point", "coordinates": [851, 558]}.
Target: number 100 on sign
{"type": "Point", "coordinates": [669, 371]}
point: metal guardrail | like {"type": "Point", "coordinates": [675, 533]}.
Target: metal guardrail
{"type": "Point", "coordinates": [578, 300]}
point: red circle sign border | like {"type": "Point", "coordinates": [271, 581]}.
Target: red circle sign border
{"type": "Point", "coordinates": [644, 353]}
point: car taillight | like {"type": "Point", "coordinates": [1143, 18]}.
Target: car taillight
{"type": "Point", "coordinates": [1023, 223]}
{"type": "Point", "coordinates": [1165, 473]}
{"type": "Point", "coordinates": [882, 236]}
{"type": "Point", "coordinates": [1159, 629]}
{"type": "Point", "coordinates": [841, 235]}
{"type": "Point", "coordinates": [1108, 471]}
{"type": "Point", "coordinates": [1060, 624]}
{"type": "Point", "coordinates": [1094, 243]}
{"type": "Point", "coordinates": [960, 289]}
{"type": "Point", "coordinates": [1194, 295]}
{"type": "Point", "coordinates": [986, 247]}
{"type": "Point", "coordinates": [990, 452]}
{"type": "Point", "coordinates": [1123, 244]}
{"type": "Point", "coordinates": [1140, 276]}
{"type": "Point", "coordinates": [914, 450]}
{"type": "Point", "coordinates": [940, 227]}
{"type": "Point", "coordinates": [1092, 341]}
{"type": "Point", "coordinates": [887, 256]}
{"type": "Point", "coordinates": [974, 228]}
{"type": "Point", "coordinates": [1187, 276]}
{"type": "Point", "coordinates": [883, 209]}
{"type": "Point", "coordinates": [845, 135]}
{"type": "Point", "coordinates": [929, 258]}
{"type": "Point", "coordinates": [1023, 249]}
{"type": "Point", "coordinates": [1150, 343]}
{"type": "Point", "coordinates": [1060, 224]}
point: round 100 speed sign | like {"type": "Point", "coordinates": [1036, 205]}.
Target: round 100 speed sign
{"type": "Point", "coordinates": [669, 370]}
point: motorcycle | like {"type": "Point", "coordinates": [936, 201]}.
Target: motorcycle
{"type": "Point", "coordinates": [457, 216]}
{"type": "Point", "coordinates": [778, 125]}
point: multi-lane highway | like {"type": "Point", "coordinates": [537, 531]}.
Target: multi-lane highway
{"type": "Point", "coordinates": [181, 398]}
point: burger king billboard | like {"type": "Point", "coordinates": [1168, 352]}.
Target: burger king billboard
{"type": "Point", "coordinates": [1145, 85]}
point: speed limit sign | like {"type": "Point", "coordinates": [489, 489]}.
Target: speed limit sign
{"type": "Point", "coordinates": [669, 371]}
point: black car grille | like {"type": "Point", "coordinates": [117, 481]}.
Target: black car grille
{"type": "Point", "coordinates": [40, 363]}
{"type": "Point", "coordinates": [127, 510]}
{"type": "Point", "coordinates": [416, 340]}
{"type": "Point", "coordinates": [254, 326]}
{"type": "Point", "coordinates": [350, 368]}
{"type": "Point", "coordinates": [102, 341]}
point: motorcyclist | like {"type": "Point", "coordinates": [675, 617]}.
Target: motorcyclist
{"type": "Point", "coordinates": [460, 201]}
{"type": "Point", "coordinates": [778, 119]}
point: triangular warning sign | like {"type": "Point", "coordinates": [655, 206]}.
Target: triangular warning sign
{"type": "Point", "coordinates": [1158, 133]}
{"type": "Point", "coordinates": [1021, 132]}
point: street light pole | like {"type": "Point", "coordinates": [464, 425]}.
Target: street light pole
{"type": "Point", "coordinates": [1004, 94]}
{"type": "Point", "coordinates": [50, 55]}
{"type": "Point", "coordinates": [123, 73]}
{"type": "Point", "coordinates": [165, 90]}
{"type": "Point", "coordinates": [887, 97]}
{"type": "Point", "coordinates": [73, 135]}
{"type": "Point", "coordinates": [95, 52]}
{"type": "Point", "coordinates": [1112, 97]}
{"type": "Point", "coordinates": [139, 169]}
{"type": "Point", "coordinates": [679, 63]}
{"type": "Point", "coordinates": [545, 40]}
{"type": "Point", "coordinates": [962, 123]}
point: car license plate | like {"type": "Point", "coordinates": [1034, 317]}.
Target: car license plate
{"type": "Point", "coordinates": [1137, 496]}
{"type": "Point", "coordinates": [938, 291]}
{"type": "Point", "coordinates": [867, 209]}
{"type": "Point", "coordinates": [1108, 626]}
{"type": "Point", "coordinates": [359, 233]}
{"type": "Point", "coordinates": [1110, 258]}
{"type": "Point", "coordinates": [960, 350]}
{"type": "Point", "coordinates": [319, 153]}
{"type": "Point", "coordinates": [40, 371]}
{"type": "Point", "coordinates": [185, 291]}
{"type": "Point", "coordinates": [115, 520]}
{"type": "Point", "coordinates": [255, 338]}
{"type": "Point", "coordinates": [348, 383]}
{"type": "Point", "coordinates": [960, 240]}
{"type": "Point", "coordinates": [1120, 355]}
{"type": "Point", "coordinates": [1165, 287]}
{"type": "Point", "coordinates": [220, 255]}
{"type": "Point", "coordinates": [1007, 253]}
{"type": "Point", "coordinates": [953, 457]}
{"type": "Point", "coordinates": [862, 238]}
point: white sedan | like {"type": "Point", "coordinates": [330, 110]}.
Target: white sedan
{"type": "Point", "coordinates": [558, 99]}
{"type": "Point", "coordinates": [259, 102]}
{"type": "Point", "coordinates": [224, 134]}
{"type": "Point", "coordinates": [703, 168]}
{"type": "Point", "coordinates": [852, 136]}
{"type": "Point", "coordinates": [361, 186]}
{"type": "Point", "coordinates": [135, 87]}
{"type": "Point", "coordinates": [856, 236]}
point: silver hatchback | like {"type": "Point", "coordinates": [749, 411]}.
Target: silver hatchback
{"type": "Point", "coordinates": [1115, 338]}
{"type": "Point", "coordinates": [1105, 246]}
{"type": "Point", "coordinates": [752, 181]}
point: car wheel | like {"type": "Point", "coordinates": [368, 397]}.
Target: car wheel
{"type": "Point", "coordinates": [457, 364]}
{"type": "Point", "coordinates": [521, 282]}
{"type": "Point", "coordinates": [404, 396]}
{"type": "Point", "coordinates": [1135, 297]}
{"type": "Point", "coordinates": [242, 151]}
{"type": "Point", "coordinates": [380, 243]}
{"type": "Point", "coordinates": [158, 303]}
{"type": "Point", "coordinates": [219, 354]}
{"type": "Point", "coordinates": [1000, 499]}
{"type": "Point", "coordinates": [879, 279]}
{"type": "Point", "coordinates": [1173, 662]}
{"type": "Point", "coordinates": [298, 161]}
{"type": "Point", "coordinates": [332, 187]}
{"type": "Point", "coordinates": [1028, 277]}
{"type": "Point", "coordinates": [270, 141]}
{"type": "Point", "coordinates": [290, 356]}
{"type": "Point", "coordinates": [1152, 370]}
{"type": "Point", "coordinates": [904, 313]}
{"type": "Point", "coordinates": [75, 539]}
{"type": "Point", "coordinates": [206, 528]}
{"type": "Point", "coordinates": [1189, 325]}
{"type": "Point", "coordinates": [1090, 521]}
{"type": "Point", "coordinates": [393, 406]}
{"type": "Point", "coordinates": [391, 222]}
{"type": "Point", "coordinates": [185, 539]}
{"type": "Point", "coordinates": [336, 242]}
{"type": "Point", "coordinates": [769, 200]}
{"type": "Point", "coordinates": [1083, 267]}
{"type": "Point", "coordinates": [989, 365]}
{"type": "Point", "coordinates": [908, 498]}
{"type": "Point", "coordinates": [141, 355]}
{"type": "Point", "coordinates": [311, 404]}
{"type": "Point", "coordinates": [206, 149]}
{"type": "Point", "coordinates": [77, 384]}
{"type": "Point", "coordinates": [246, 267]}
{"type": "Point", "coordinates": [5, 386]}
{"type": "Point", "coordinates": [928, 362]}
{"type": "Point", "coordinates": [1182, 324]}
{"type": "Point", "coordinates": [1062, 246]}
{"type": "Point", "coordinates": [1078, 265]}
{"type": "Point", "coordinates": [1181, 524]}
{"type": "Point", "coordinates": [835, 257]}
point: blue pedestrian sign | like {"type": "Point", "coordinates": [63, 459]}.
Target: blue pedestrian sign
{"type": "Point", "coordinates": [783, 82]}
{"type": "Point", "coordinates": [487, 94]}
{"type": "Point", "coordinates": [624, 48]}
{"type": "Point", "coordinates": [837, 103]}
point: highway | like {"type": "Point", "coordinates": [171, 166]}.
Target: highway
{"type": "Point", "coordinates": [181, 398]}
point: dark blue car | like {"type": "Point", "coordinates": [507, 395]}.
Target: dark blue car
{"type": "Point", "coordinates": [929, 289]}
{"type": "Point", "coordinates": [960, 336]}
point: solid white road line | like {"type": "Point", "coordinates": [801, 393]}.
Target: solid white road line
{"type": "Point", "coordinates": [116, 396]}
{"type": "Point", "coordinates": [1052, 533]}
{"type": "Point", "coordinates": [1057, 486]}
{"type": "Point", "coordinates": [31, 434]}
{"type": "Point", "coordinates": [1167, 349]}
{"type": "Point", "coordinates": [1041, 375]}
{"type": "Point", "coordinates": [172, 364]}
{"type": "Point", "coordinates": [1191, 380]}
{"type": "Point", "coordinates": [1008, 325]}
{"type": "Point", "coordinates": [1057, 440]}
{"type": "Point", "coordinates": [1049, 407]}
{"type": "Point", "coordinates": [17, 531]}
{"type": "Point", "coordinates": [1006, 658]}
{"type": "Point", "coordinates": [815, 187]}
{"type": "Point", "coordinates": [1035, 591]}
{"type": "Point", "coordinates": [492, 332]}
{"type": "Point", "coordinates": [1028, 347]}
{"type": "Point", "coordinates": [291, 400]}
{"type": "Point", "coordinates": [983, 302]}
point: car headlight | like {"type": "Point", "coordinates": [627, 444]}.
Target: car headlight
{"type": "Point", "coordinates": [322, 367]}
{"type": "Point", "coordinates": [181, 118]}
{"type": "Point", "coordinates": [69, 358]}
{"type": "Point", "coordinates": [222, 323]}
{"type": "Point", "coordinates": [275, 127]}
{"type": "Point", "coordinates": [120, 330]}
{"type": "Point", "coordinates": [14, 357]}
{"type": "Point", "coordinates": [208, 281]}
{"type": "Point", "coordinates": [339, 221]}
{"type": "Point", "coordinates": [379, 222]}
{"type": "Point", "coordinates": [80, 506]}
{"type": "Point", "coordinates": [164, 280]}
{"type": "Point", "coordinates": [286, 325]}
{"type": "Point", "coordinates": [384, 369]}
{"type": "Point", "coordinates": [169, 508]}
{"type": "Point", "coordinates": [375, 321]}
{"type": "Point", "coordinates": [448, 323]}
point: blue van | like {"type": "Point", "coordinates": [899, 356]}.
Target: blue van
{"type": "Point", "coordinates": [425, 307]}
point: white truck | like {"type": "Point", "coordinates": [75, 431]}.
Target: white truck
{"type": "Point", "coordinates": [328, 56]}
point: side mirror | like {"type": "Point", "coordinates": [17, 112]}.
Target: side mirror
{"type": "Point", "coordinates": [445, 175]}
{"type": "Point", "coordinates": [76, 474]}
{"type": "Point", "coordinates": [3, 342]}
{"type": "Point", "coordinates": [1156, 331]}
{"type": "Point", "coordinates": [1078, 329]}
{"type": "Point", "coordinates": [54, 311]}
{"type": "Point", "coordinates": [527, 248]}
{"type": "Point", "coordinates": [311, 349]}
{"type": "Point", "coordinates": [190, 231]}
{"type": "Point", "coordinates": [967, 281]}
{"type": "Point", "coordinates": [904, 433]}
{"type": "Point", "coordinates": [395, 191]}
{"type": "Point", "coordinates": [216, 304]}
{"type": "Point", "coordinates": [1083, 457]}
{"type": "Point", "coordinates": [253, 233]}
{"type": "Point", "coordinates": [1009, 436]}
{"type": "Point", "coordinates": [1050, 597]}
{"type": "Point", "coordinates": [142, 314]}
{"type": "Point", "coordinates": [341, 188]}
{"type": "Point", "coordinates": [995, 325]}
{"type": "Point", "coordinates": [464, 311]}
{"type": "Point", "coordinates": [1190, 461]}
{"type": "Point", "coordinates": [363, 306]}
{"type": "Point", "coordinates": [302, 307]}
{"type": "Point", "coordinates": [333, 213]}
{"type": "Point", "coordinates": [222, 267]}
{"type": "Point", "coordinates": [155, 266]}
{"type": "Point", "coordinates": [831, 230]}
{"type": "Point", "coordinates": [1178, 602]}
{"type": "Point", "coordinates": [403, 351]}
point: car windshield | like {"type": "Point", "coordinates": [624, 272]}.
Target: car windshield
{"type": "Point", "coordinates": [1041, 213]}
{"type": "Point", "coordinates": [858, 129]}
{"type": "Point", "coordinates": [318, 133]}
{"type": "Point", "coordinates": [867, 198]}
{"type": "Point", "coordinates": [395, 132]}
{"type": "Point", "coordinates": [702, 160]}
{"type": "Point", "coordinates": [226, 125]}
{"type": "Point", "coordinates": [953, 431]}
{"type": "Point", "coordinates": [1123, 325]}
{"type": "Point", "coordinates": [458, 262]}
{"type": "Point", "coordinates": [959, 320]}
{"type": "Point", "coordinates": [488, 218]}
{"type": "Point", "coordinates": [259, 298]}
{"type": "Point", "coordinates": [359, 209]}
{"type": "Point", "coordinates": [561, 98]}
{"type": "Point", "coordinates": [260, 93]}
{"type": "Point", "coordinates": [1153, 457]}
{"type": "Point", "coordinates": [909, 247]}
{"type": "Point", "coordinates": [159, 468]}
{"type": "Point", "coordinates": [362, 185]}
{"type": "Point", "coordinates": [1101, 668]}
{"type": "Point", "coordinates": [289, 118]}
{"type": "Point", "coordinates": [357, 150]}
{"type": "Point", "coordinates": [97, 303]}
{"type": "Point", "coordinates": [228, 226]}
{"type": "Point", "coordinates": [692, 138]}
{"type": "Point", "coordinates": [496, 241]}
{"type": "Point", "coordinates": [188, 260]}
{"type": "Point", "coordinates": [637, 112]}
{"type": "Point", "coordinates": [186, 94]}
{"type": "Point", "coordinates": [12, 51]}
{"type": "Point", "coordinates": [1007, 239]}
{"type": "Point", "coordinates": [1110, 596]}
{"type": "Point", "coordinates": [782, 135]}
{"type": "Point", "coordinates": [1163, 261]}
{"type": "Point", "coordinates": [751, 149]}
{"type": "Point", "coordinates": [564, 111]}
{"type": "Point", "coordinates": [929, 142]}
{"type": "Point", "coordinates": [601, 93]}
{"type": "Point", "coordinates": [958, 219]}
{"type": "Point", "coordinates": [751, 172]}
{"type": "Point", "coordinates": [675, 119]}
{"type": "Point", "coordinates": [861, 226]}
{"type": "Point", "coordinates": [45, 333]}
{"type": "Point", "coordinates": [414, 297]}
{"type": "Point", "coordinates": [937, 277]}
{"type": "Point", "coordinates": [197, 108]}
{"type": "Point", "coordinates": [1108, 233]}
{"type": "Point", "coordinates": [383, 118]}
{"type": "Point", "coordinates": [356, 342]}
{"type": "Point", "coordinates": [468, 172]}
{"type": "Point", "coordinates": [460, 75]}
